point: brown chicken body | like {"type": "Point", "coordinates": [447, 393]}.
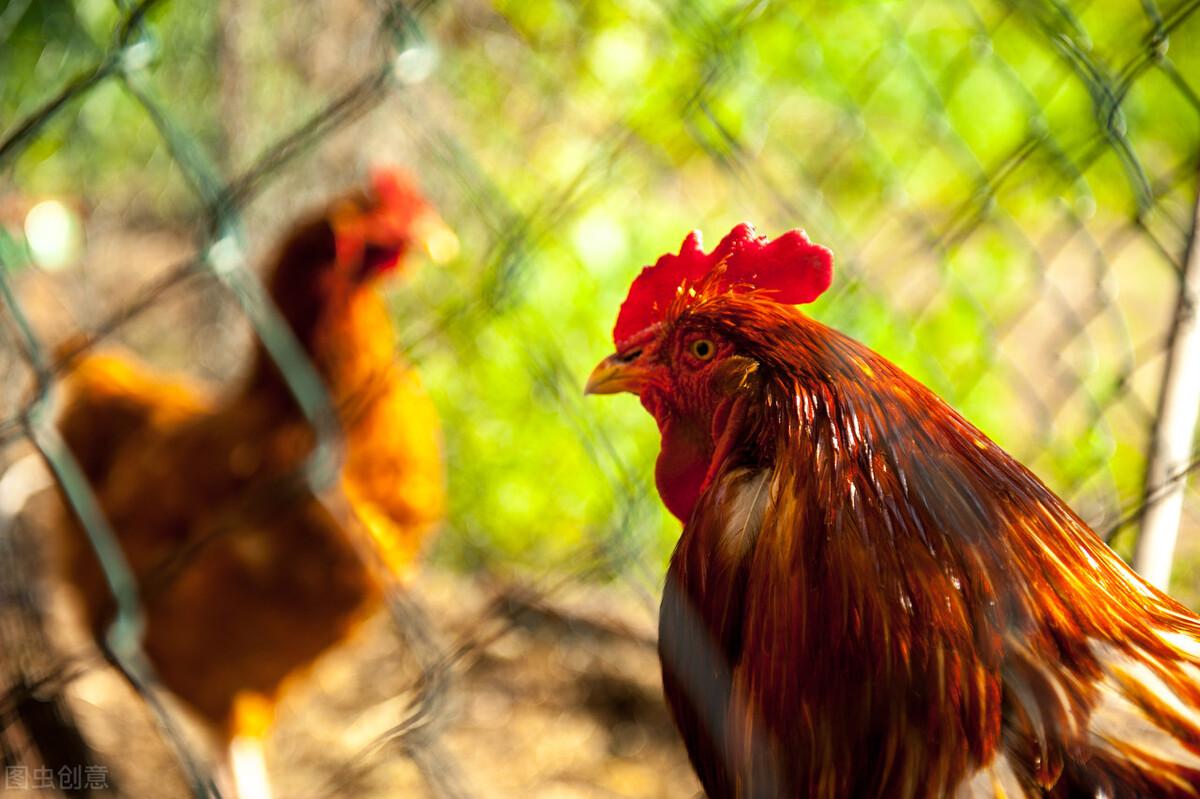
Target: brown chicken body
{"type": "Point", "coordinates": [870, 598]}
{"type": "Point", "coordinates": [245, 577]}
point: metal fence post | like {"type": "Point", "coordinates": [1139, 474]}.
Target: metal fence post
{"type": "Point", "coordinates": [1175, 427]}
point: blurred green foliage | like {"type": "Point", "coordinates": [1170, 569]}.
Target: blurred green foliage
{"type": "Point", "coordinates": [1007, 187]}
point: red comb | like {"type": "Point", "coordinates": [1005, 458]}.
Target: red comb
{"type": "Point", "coordinates": [395, 189]}
{"type": "Point", "coordinates": [791, 268]}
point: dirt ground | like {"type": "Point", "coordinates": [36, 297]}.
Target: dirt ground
{"type": "Point", "coordinates": [536, 695]}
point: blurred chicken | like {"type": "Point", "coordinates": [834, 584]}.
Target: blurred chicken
{"type": "Point", "coordinates": [244, 576]}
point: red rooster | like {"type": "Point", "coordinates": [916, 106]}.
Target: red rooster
{"type": "Point", "coordinates": [869, 597]}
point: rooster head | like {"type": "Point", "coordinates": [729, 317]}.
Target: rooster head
{"type": "Point", "coordinates": [678, 345]}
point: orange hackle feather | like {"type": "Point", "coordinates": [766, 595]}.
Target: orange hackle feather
{"type": "Point", "coordinates": [870, 598]}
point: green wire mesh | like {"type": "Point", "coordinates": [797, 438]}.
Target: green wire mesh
{"type": "Point", "coordinates": [1009, 188]}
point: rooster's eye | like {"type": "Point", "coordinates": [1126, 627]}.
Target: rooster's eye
{"type": "Point", "coordinates": [702, 349]}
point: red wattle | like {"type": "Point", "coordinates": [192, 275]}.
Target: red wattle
{"type": "Point", "coordinates": [682, 466]}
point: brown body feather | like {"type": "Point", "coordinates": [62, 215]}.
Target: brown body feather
{"type": "Point", "coordinates": [901, 608]}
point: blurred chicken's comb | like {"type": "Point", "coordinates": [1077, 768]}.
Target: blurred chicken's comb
{"type": "Point", "coordinates": [395, 189]}
{"type": "Point", "coordinates": [791, 268]}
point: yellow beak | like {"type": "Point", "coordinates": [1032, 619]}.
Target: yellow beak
{"type": "Point", "coordinates": [616, 374]}
{"type": "Point", "coordinates": [436, 237]}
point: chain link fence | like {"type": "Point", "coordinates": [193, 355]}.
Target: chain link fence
{"type": "Point", "coordinates": [1009, 188]}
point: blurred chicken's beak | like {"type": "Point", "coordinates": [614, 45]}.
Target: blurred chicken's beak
{"type": "Point", "coordinates": [617, 373]}
{"type": "Point", "coordinates": [436, 237]}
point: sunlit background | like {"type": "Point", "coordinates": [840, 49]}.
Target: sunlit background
{"type": "Point", "coordinates": [1008, 188]}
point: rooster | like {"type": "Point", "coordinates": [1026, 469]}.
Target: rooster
{"type": "Point", "coordinates": [869, 597]}
{"type": "Point", "coordinates": [244, 575]}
